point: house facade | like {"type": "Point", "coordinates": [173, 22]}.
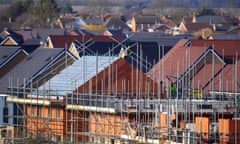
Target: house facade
{"type": "Point", "coordinates": [142, 23]}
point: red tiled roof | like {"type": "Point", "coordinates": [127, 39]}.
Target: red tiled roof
{"type": "Point", "coordinates": [27, 34]}
{"type": "Point", "coordinates": [197, 26]}
{"type": "Point", "coordinates": [61, 41]}
{"type": "Point", "coordinates": [147, 19]}
{"type": "Point", "coordinates": [180, 58]}
{"type": "Point", "coordinates": [226, 48]}
{"type": "Point", "coordinates": [121, 77]}
{"type": "Point", "coordinates": [204, 76]}
{"type": "Point", "coordinates": [227, 80]}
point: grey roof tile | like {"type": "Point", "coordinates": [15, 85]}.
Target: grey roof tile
{"type": "Point", "coordinates": [6, 52]}
{"type": "Point", "coordinates": [43, 33]}
{"type": "Point", "coordinates": [226, 36]}
{"type": "Point", "coordinates": [147, 19]}
{"type": "Point", "coordinates": [160, 38]}
{"type": "Point", "coordinates": [27, 68]}
{"type": "Point", "coordinates": [116, 23]}
{"type": "Point", "coordinates": [211, 18]}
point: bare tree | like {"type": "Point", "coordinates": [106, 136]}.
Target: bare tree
{"type": "Point", "coordinates": [97, 7]}
{"type": "Point", "coordinates": [44, 13]}
{"type": "Point", "coordinates": [204, 3]}
{"type": "Point", "coordinates": [230, 5]}
{"type": "Point", "coordinates": [160, 7]}
{"type": "Point", "coordinates": [179, 14]}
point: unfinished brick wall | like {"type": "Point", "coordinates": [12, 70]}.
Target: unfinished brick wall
{"type": "Point", "coordinates": [42, 123]}
{"type": "Point", "coordinates": [227, 129]}
{"type": "Point", "coordinates": [202, 127]}
{"type": "Point", "coordinates": [106, 126]}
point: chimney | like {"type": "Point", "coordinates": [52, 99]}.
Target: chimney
{"type": "Point", "coordinates": [222, 13]}
{"type": "Point", "coordinates": [163, 18]}
{"type": "Point", "coordinates": [194, 18]}
{"type": "Point", "coordinates": [10, 20]}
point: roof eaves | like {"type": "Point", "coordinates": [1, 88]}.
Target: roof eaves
{"type": "Point", "coordinates": [187, 43]}
{"type": "Point", "coordinates": [217, 55]}
{"type": "Point", "coordinates": [6, 38]}
{"type": "Point", "coordinates": [184, 26]}
{"type": "Point", "coordinates": [12, 56]}
{"type": "Point", "coordinates": [71, 55]}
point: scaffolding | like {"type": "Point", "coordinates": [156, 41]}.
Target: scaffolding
{"type": "Point", "coordinates": [109, 109]}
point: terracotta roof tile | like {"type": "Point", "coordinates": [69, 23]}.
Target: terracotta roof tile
{"type": "Point", "coordinates": [61, 41]}
{"type": "Point", "coordinates": [179, 59]}
{"type": "Point", "coordinates": [203, 77]}
{"type": "Point", "coordinates": [197, 26]}
{"type": "Point", "coordinates": [27, 34]}
{"type": "Point", "coordinates": [167, 66]}
{"type": "Point", "coordinates": [226, 48]}
{"type": "Point", "coordinates": [227, 80]}
{"type": "Point", "coordinates": [121, 77]}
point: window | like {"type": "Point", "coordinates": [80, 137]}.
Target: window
{"type": "Point", "coordinates": [5, 114]}
{"type": "Point", "coordinates": [123, 116]}
{"type": "Point", "coordinates": [49, 111]}
{"type": "Point", "coordinates": [58, 138]}
{"type": "Point", "coordinates": [39, 111]}
{"type": "Point", "coordinates": [32, 110]}
{"type": "Point", "coordinates": [3, 133]}
{"type": "Point", "coordinates": [57, 112]}
{"type": "Point", "coordinates": [102, 140]}
{"type": "Point", "coordinates": [103, 115]}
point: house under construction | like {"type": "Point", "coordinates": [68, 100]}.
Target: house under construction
{"type": "Point", "coordinates": [191, 95]}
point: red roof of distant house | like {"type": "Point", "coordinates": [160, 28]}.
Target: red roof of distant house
{"type": "Point", "coordinates": [27, 34]}
{"type": "Point", "coordinates": [226, 48]}
{"type": "Point", "coordinates": [61, 41]}
{"type": "Point", "coordinates": [197, 26]}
